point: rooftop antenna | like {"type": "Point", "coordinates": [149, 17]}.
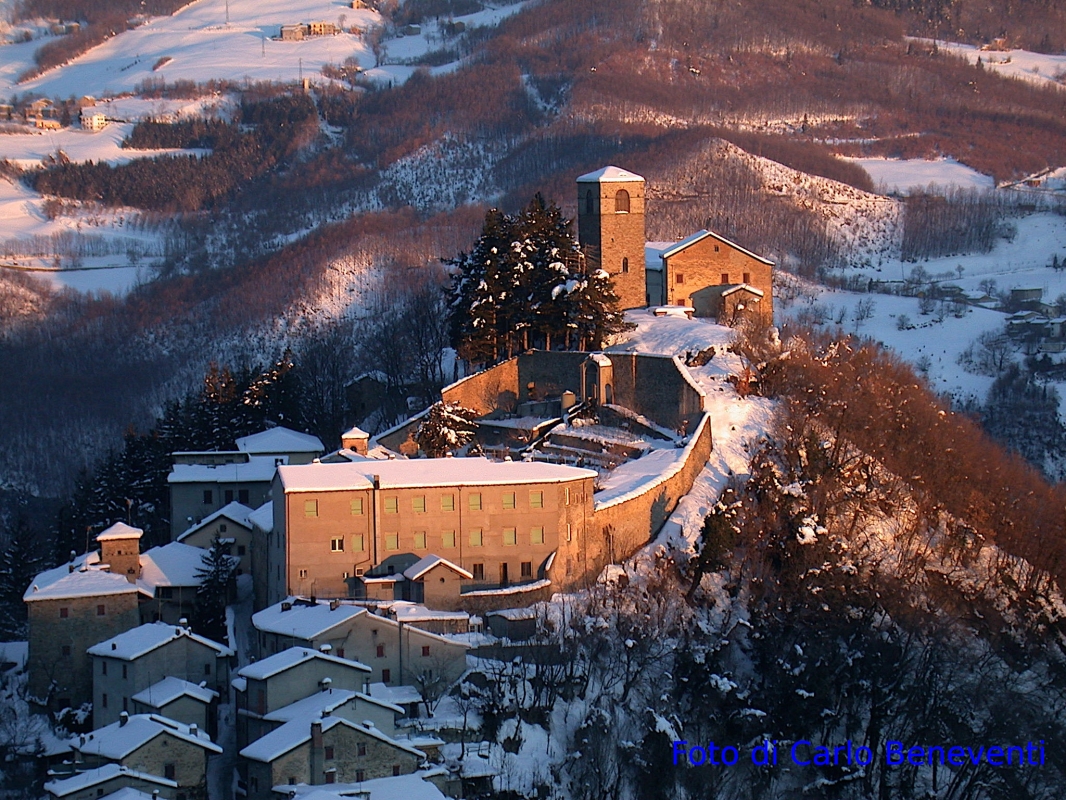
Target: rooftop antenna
{"type": "Point", "coordinates": [227, 12]}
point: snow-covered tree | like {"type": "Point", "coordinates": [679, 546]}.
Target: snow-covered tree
{"type": "Point", "coordinates": [216, 575]}
{"type": "Point", "coordinates": [446, 428]}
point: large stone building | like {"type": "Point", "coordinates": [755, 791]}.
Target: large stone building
{"type": "Point", "coordinates": [714, 276]}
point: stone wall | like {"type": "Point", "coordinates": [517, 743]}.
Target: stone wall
{"type": "Point", "coordinates": [494, 389]}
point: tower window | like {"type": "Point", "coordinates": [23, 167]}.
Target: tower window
{"type": "Point", "coordinates": [725, 278]}
{"type": "Point", "coordinates": [679, 277]}
{"type": "Point", "coordinates": [588, 201]}
{"type": "Point", "coordinates": [625, 265]}
{"type": "Point", "coordinates": [747, 277]}
{"type": "Point", "coordinates": [621, 202]}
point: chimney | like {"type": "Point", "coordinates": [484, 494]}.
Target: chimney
{"type": "Point", "coordinates": [356, 440]}
{"type": "Point", "coordinates": [326, 648]}
{"type": "Point", "coordinates": [318, 753]}
{"type": "Point", "coordinates": [194, 730]}
{"type": "Point", "coordinates": [123, 718]}
{"type": "Point", "coordinates": [326, 684]}
{"type": "Point", "coordinates": [114, 645]}
{"type": "Point", "coordinates": [334, 605]}
{"type": "Point", "coordinates": [184, 622]}
{"type": "Point", "coordinates": [286, 606]}
{"type": "Point", "coordinates": [377, 481]}
{"type": "Point", "coordinates": [70, 567]}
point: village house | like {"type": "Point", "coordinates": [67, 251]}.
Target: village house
{"type": "Point", "coordinates": [151, 744]}
{"type": "Point", "coordinates": [181, 701]}
{"type": "Point", "coordinates": [105, 781]}
{"type": "Point", "coordinates": [131, 662]}
{"type": "Point", "coordinates": [396, 653]}
{"type": "Point", "coordinates": [324, 750]}
{"type": "Point", "coordinates": [232, 524]}
{"type": "Point", "coordinates": [93, 119]}
{"type": "Point", "coordinates": [352, 706]}
{"type": "Point", "coordinates": [284, 678]}
{"type": "Point", "coordinates": [298, 448]}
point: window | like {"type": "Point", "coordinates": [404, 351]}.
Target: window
{"type": "Point", "coordinates": [476, 538]}
{"type": "Point", "coordinates": [253, 782]}
{"type": "Point", "coordinates": [242, 496]}
{"type": "Point", "coordinates": [66, 649]}
{"type": "Point", "coordinates": [229, 496]}
{"type": "Point", "coordinates": [425, 650]}
{"type": "Point", "coordinates": [510, 536]}
{"type": "Point", "coordinates": [292, 781]}
{"type": "Point", "coordinates": [725, 278]}
{"type": "Point", "coordinates": [447, 502]}
{"type": "Point", "coordinates": [420, 540]}
{"type": "Point", "coordinates": [716, 248]}
{"type": "Point", "coordinates": [536, 536]}
{"type": "Point", "coordinates": [568, 495]}
{"type": "Point", "coordinates": [103, 667]}
{"type": "Point", "coordinates": [125, 671]}
{"type": "Point", "coordinates": [386, 676]}
{"type": "Point", "coordinates": [101, 610]}
{"type": "Point", "coordinates": [392, 541]}
{"type": "Point", "coordinates": [103, 699]}
{"type": "Point", "coordinates": [508, 500]}
{"type": "Point", "coordinates": [478, 571]}
{"type": "Point", "coordinates": [569, 535]}
{"type": "Point", "coordinates": [340, 652]}
{"type": "Point", "coordinates": [64, 612]}
{"type": "Point", "coordinates": [536, 499]}
{"type": "Point", "coordinates": [357, 507]}
{"type": "Point", "coordinates": [418, 504]}
{"type": "Point", "coordinates": [241, 550]}
{"type": "Point", "coordinates": [329, 754]}
{"type": "Point", "coordinates": [621, 202]}
{"type": "Point", "coordinates": [527, 569]}
{"type": "Point", "coordinates": [392, 505]}
{"type": "Point", "coordinates": [625, 265]}
{"type": "Point", "coordinates": [360, 776]}
{"type": "Point", "coordinates": [381, 651]}
{"type": "Point", "coordinates": [747, 277]}
{"type": "Point", "coordinates": [303, 573]}
{"type": "Point", "coordinates": [310, 508]}
{"type": "Point", "coordinates": [209, 497]}
{"type": "Point", "coordinates": [357, 543]}
{"type": "Point", "coordinates": [588, 201]}
{"type": "Point", "coordinates": [166, 592]}
{"type": "Point", "coordinates": [474, 500]}
{"type": "Point", "coordinates": [169, 771]}
{"type": "Point", "coordinates": [336, 544]}
{"type": "Point", "coordinates": [682, 301]}
{"type": "Point", "coordinates": [395, 770]}
{"type": "Point", "coordinates": [447, 539]}
{"type": "Point", "coordinates": [360, 749]}
{"type": "Point", "coordinates": [125, 704]}
{"type": "Point", "coordinates": [207, 668]}
{"type": "Point", "coordinates": [679, 277]}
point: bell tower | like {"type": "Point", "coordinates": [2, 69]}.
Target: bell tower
{"type": "Point", "coordinates": [610, 228]}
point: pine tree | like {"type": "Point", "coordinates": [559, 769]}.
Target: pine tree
{"type": "Point", "coordinates": [216, 576]}
{"type": "Point", "coordinates": [474, 306]}
{"type": "Point", "coordinates": [22, 558]}
{"type": "Point", "coordinates": [447, 427]}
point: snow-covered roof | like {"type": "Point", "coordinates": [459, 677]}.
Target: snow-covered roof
{"type": "Point", "coordinates": [653, 252]}
{"type": "Point", "coordinates": [742, 287]}
{"type": "Point", "coordinates": [426, 563]}
{"type": "Point", "coordinates": [405, 611]}
{"type": "Point", "coordinates": [314, 706]}
{"type": "Point", "coordinates": [258, 469]}
{"type": "Point", "coordinates": [170, 689]}
{"type": "Point", "coordinates": [688, 241]}
{"type": "Point", "coordinates": [118, 740]}
{"type": "Point", "coordinates": [294, 733]}
{"type": "Point", "coordinates": [609, 175]}
{"type": "Point", "coordinates": [234, 512]}
{"type": "Point", "coordinates": [120, 530]}
{"type": "Point", "coordinates": [173, 564]}
{"type": "Point", "coordinates": [263, 517]}
{"type": "Point", "coordinates": [304, 620]}
{"type": "Point", "coordinates": [355, 432]}
{"type": "Point", "coordinates": [397, 695]}
{"type": "Point", "coordinates": [86, 580]}
{"type": "Point", "coordinates": [280, 440]}
{"type": "Point", "coordinates": [129, 793]}
{"type": "Point", "coordinates": [520, 588]}
{"type": "Point", "coordinates": [424, 472]}
{"type": "Point", "coordinates": [287, 659]}
{"type": "Point", "coordinates": [93, 777]}
{"type": "Point", "coordinates": [399, 787]}
{"type": "Point", "coordinates": [600, 359]}
{"type": "Point", "coordinates": [136, 642]}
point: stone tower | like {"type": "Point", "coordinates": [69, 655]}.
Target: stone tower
{"type": "Point", "coordinates": [120, 547]}
{"type": "Point", "coordinates": [610, 227]}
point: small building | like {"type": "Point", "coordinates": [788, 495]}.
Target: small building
{"type": "Point", "coordinates": [322, 28]}
{"type": "Point", "coordinates": [299, 448]}
{"type": "Point", "coordinates": [105, 781]}
{"type": "Point", "coordinates": [133, 661]}
{"type": "Point", "coordinates": [326, 750]}
{"type": "Point", "coordinates": [93, 119]}
{"type": "Point", "coordinates": [232, 524]}
{"type": "Point", "coordinates": [150, 744]}
{"type": "Point", "coordinates": [293, 33]}
{"type": "Point", "coordinates": [171, 574]}
{"type": "Point", "coordinates": [357, 440]}
{"type": "Point", "coordinates": [182, 701]}
{"type": "Point", "coordinates": [352, 706]}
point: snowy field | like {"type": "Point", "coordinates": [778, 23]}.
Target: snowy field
{"type": "Point", "coordinates": [1038, 68]}
{"type": "Point", "coordinates": [28, 150]}
{"type": "Point", "coordinates": [903, 176]}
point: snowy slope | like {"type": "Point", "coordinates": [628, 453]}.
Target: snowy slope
{"type": "Point", "coordinates": [1039, 68]}
{"type": "Point", "coordinates": [902, 176]}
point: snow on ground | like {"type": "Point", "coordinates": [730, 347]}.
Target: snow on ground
{"type": "Point", "coordinates": [736, 423]}
{"type": "Point", "coordinates": [1038, 68]}
{"type": "Point", "coordinates": [28, 150]}
{"type": "Point", "coordinates": [202, 46]}
{"type": "Point", "coordinates": [902, 176]}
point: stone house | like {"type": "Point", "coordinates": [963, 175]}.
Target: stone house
{"type": "Point", "coordinates": [153, 745]}
{"type": "Point", "coordinates": [395, 653]}
{"type": "Point", "coordinates": [342, 529]}
{"type": "Point", "coordinates": [131, 662]}
{"type": "Point", "coordinates": [232, 525]}
{"type": "Point", "coordinates": [326, 750]}
{"type": "Point", "coordinates": [203, 483]}
{"type": "Point", "coordinates": [357, 707]}
{"type": "Point", "coordinates": [169, 573]}
{"type": "Point", "coordinates": [106, 780]}
{"type": "Point", "coordinates": [181, 701]}
{"type": "Point", "coordinates": [282, 679]}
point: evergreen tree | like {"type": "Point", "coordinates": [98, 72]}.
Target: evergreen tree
{"type": "Point", "coordinates": [474, 306]}
{"type": "Point", "coordinates": [20, 561]}
{"type": "Point", "coordinates": [446, 428]}
{"type": "Point", "coordinates": [217, 577]}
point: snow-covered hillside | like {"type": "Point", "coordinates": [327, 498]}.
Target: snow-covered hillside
{"type": "Point", "coordinates": [904, 175]}
{"type": "Point", "coordinates": [1039, 68]}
